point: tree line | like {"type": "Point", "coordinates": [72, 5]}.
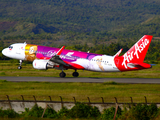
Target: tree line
{"type": "Point", "coordinates": [152, 55]}
{"type": "Point", "coordinates": [83, 111]}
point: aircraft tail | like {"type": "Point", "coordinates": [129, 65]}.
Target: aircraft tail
{"type": "Point", "coordinates": [134, 57]}
{"type": "Point", "coordinates": [138, 51]}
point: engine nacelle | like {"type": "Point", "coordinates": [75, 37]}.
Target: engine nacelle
{"type": "Point", "coordinates": [42, 64]}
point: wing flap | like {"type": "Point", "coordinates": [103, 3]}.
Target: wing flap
{"type": "Point", "coordinates": [58, 60]}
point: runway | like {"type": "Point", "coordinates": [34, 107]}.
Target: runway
{"type": "Point", "coordinates": [86, 80]}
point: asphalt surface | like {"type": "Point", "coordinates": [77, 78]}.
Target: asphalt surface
{"type": "Point", "coordinates": [86, 80]}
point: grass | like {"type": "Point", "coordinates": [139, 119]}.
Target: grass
{"type": "Point", "coordinates": [80, 91]}
{"type": "Point", "coordinates": [107, 90]}
{"type": "Point", "coordinates": [10, 69]}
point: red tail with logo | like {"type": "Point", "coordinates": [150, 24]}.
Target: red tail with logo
{"type": "Point", "coordinates": [134, 57]}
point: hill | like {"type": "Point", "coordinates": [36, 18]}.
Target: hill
{"type": "Point", "coordinates": [73, 22]}
{"type": "Point", "coordinates": [80, 15]}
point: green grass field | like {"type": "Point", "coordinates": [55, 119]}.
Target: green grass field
{"type": "Point", "coordinates": [107, 90]}
{"type": "Point", "coordinates": [10, 69]}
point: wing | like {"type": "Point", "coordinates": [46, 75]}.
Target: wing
{"type": "Point", "coordinates": [56, 59]}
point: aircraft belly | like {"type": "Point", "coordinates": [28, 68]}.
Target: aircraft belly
{"type": "Point", "coordinates": [19, 57]}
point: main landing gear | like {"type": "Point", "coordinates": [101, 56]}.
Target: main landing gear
{"type": "Point", "coordinates": [75, 74]}
{"type": "Point", "coordinates": [63, 74]}
{"type": "Point", "coordinates": [20, 64]}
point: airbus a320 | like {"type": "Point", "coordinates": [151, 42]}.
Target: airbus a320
{"type": "Point", "coordinates": [44, 57]}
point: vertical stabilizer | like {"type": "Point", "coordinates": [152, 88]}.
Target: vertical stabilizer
{"type": "Point", "coordinates": [135, 54]}
{"type": "Point", "coordinates": [138, 51]}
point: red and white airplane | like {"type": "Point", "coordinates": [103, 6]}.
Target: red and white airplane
{"type": "Point", "coordinates": [47, 57]}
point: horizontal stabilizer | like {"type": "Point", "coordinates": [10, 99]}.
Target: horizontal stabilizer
{"type": "Point", "coordinates": [143, 65]}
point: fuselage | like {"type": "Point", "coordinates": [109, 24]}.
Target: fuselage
{"type": "Point", "coordinates": [77, 59]}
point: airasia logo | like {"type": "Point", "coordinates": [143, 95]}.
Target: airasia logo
{"type": "Point", "coordinates": [135, 52]}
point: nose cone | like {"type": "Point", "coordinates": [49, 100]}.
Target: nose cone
{"type": "Point", "coordinates": [4, 52]}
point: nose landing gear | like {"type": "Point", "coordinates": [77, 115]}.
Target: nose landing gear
{"type": "Point", "coordinates": [20, 63]}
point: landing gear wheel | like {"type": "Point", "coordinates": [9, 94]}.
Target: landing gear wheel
{"type": "Point", "coordinates": [62, 74]}
{"type": "Point", "coordinates": [20, 62]}
{"type": "Point", "coordinates": [75, 74]}
{"type": "Point", "coordinates": [19, 67]}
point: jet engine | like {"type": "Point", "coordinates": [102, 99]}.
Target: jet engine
{"type": "Point", "coordinates": [42, 64]}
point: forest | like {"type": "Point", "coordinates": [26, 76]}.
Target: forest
{"type": "Point", "coordinates": [97, 26]}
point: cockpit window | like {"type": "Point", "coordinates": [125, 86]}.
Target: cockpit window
{"type": "Point", "coordinates": [10, 47]}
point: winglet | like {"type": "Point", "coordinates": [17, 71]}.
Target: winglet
{"type": "Point", "coordinates": [60, 51]}
{"type": "Point", "coordinates": [118, 53]}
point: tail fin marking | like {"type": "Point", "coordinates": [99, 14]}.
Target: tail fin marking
{"type": "Point", "coordinates": [135, 54]}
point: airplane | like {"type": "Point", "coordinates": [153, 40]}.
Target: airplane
{"type": "Point", "coordinates": [44, 57]}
